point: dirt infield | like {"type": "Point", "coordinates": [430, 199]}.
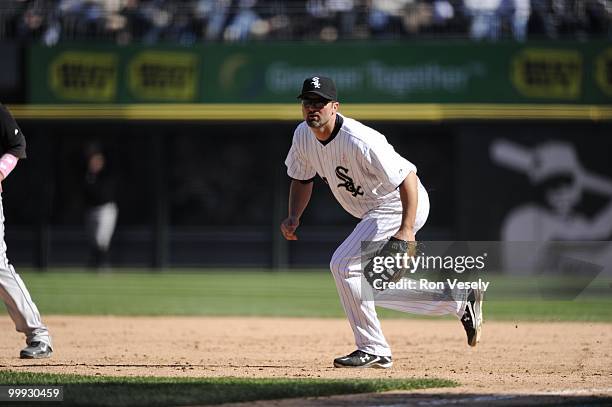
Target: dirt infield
{"type": "Point", "coordinates": [534, 359]}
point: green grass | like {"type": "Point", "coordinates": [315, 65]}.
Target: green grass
{"type": "Point", "coordinates": [248, 293]}
{"type": "Point", "coordinates": [186, 293]}
{"type": "Point", "coordinates": [150, 391]}
{"type": "Point", "coordinates": [265, 293]}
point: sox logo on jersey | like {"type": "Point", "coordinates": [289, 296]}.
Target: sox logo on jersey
{"type": "Point", "coordinates": [348, 183]}
{"type": "Point", "coordinates": [342, 173]}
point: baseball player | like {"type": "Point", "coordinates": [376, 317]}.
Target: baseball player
{"type": "Point", "coordinates": [13, 291]}
{"type": "Point", "coordinates": [99, 189]}
{"type": "Point", "coordinates": [378, 186]}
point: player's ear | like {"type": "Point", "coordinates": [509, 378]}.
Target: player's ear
{"type": "Point", "coordinates": [335, 105]}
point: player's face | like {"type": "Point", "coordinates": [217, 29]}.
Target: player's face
{"type": "Point", "coordinates": [317, 111]}
{"type": "Point", "coordinates": [96, 163]}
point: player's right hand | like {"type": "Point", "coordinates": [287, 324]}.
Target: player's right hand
{"type": "Point", "coordinates": [288, 227]}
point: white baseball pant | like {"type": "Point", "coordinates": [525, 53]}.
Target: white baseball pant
{"type": "Point", "coordinates": [101, 222]}
{"type": "Point", "coordinates": [346, 268]}
{"type": "Point", "coordinates": [16, 297]}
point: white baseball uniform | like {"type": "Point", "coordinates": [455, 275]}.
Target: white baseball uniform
{"type": "Point", "coordinates": [13, 291]}
{"type": "Point", "coordinates": [363, 172]}
{"type": "Point", "coordinates": [16, 297]}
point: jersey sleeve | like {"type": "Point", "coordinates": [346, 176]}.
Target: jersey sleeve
{"type": "Point", "coordinates": [387, 164]}
{"type": "Point", "coordinates": [12, 139]}
{"type": "Point", "coordinates": [298, 166]}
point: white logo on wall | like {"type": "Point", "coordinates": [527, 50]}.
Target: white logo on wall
{"type": "Point", "coordinates": [559, 180]}
{"type": "Point", "coordinates": [315, 82]}
{"type": "Point", "coordinates": [554, 166]}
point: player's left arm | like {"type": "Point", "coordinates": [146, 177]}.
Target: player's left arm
{"type": "Point", "coordinates": [7, 164]}
{"type": "Point", "coordinates": [409, 194]}
{"type": "Point", "coordinates": [12, 141]}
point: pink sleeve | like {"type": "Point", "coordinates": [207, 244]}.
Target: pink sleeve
{"type": "Point", "coordinates": [7, 164]}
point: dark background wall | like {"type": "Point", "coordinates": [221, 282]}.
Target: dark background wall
{"type": "Point", "coordinates": [213, 193]}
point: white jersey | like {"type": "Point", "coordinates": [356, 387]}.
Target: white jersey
{"type": "Point", "coordinates": [361, 168]}
{"type": "Point", "coordinates": [363, 172]}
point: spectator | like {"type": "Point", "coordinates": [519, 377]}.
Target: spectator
{"type": "Point", "coordinates": [99, 184]}
{"type": "Point", "coordinates": [212, 15]}
{"type": "Point", "coordinates": [598, 14]}
{"type": "Point", "coordinates": [542, 21]}
{"type": "Point", "coordinates": [182, 29]}
{"type": "Point", "coordinates": [449, 18]}
{"type": "Point", "coordinates": [35, 21]}
{"type": "Point", "coordinates": [443, 11]}
{"type": "Point", "coordinates": [242, 22]}
{"type": "Point", "coordinates": [385, 17]}
{"type": "Point", "coordinates": [417, 18]}
{"type": "Point", "coordinates": [11, 12]}
{"type": "Point", "coordinates": [485, 18]}
{"type": "Point", "coordinates": [134, 22]}
{"type": "Point", "coordinates": [82, 18]}
{"type": "Point", "coordinates": [521, 10]}
{"type": "Point", "coordinates": [276, 21]}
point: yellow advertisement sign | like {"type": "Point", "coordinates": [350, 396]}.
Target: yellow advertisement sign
{"type": "Point", "coordinates": [84, 76]}
{"type": "Point", "coordinates": [603, 71]}
{"type": "Point", "coordinates": [162, 75]}
{"type": "Point", "coordinates": [548, 73]}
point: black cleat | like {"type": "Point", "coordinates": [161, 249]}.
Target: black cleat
{"type": "Point", "coordinates": [362, 359]}
{"type": "Point", "coordinates": [36, 350]}
{"type": "Point", "coordinates": [472, 317]}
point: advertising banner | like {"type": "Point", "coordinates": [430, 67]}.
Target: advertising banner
{"type": "Point", "coordinates": [431, 72]}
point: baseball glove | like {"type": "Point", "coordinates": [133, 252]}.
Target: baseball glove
{"type": "Point", "coordinates": [377, 272]}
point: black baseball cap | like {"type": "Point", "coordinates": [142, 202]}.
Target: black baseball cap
{"type": "Point", "coordinates": [319, 85]}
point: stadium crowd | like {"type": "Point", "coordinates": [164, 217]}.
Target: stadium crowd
{"type": "Point", "coordinates": [196, 21]}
